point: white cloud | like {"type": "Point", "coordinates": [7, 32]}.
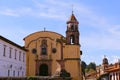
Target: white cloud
{"type": "Point", "coordinates": [96, 41]}
{"type": "Point", "coordinates": [15, 12]}
{"type": "Point", "coordinates": [50, 9]}
{"type": "Point", "coordinates": [115, 59]}
{"type": "Point", "coordinates": [115, 30]}
{"type": "Point", "coordinates": [58, 10]}
{"type": "Point", "coordinates": [8, 12]}
{"type": "Point", "coordinates": [24, 11]}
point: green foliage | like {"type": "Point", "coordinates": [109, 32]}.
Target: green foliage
{"type": "Point", "coordinates": [32, 78]}
{"type": "Point", "coordinates": [83, 65]}
{"type": "Point", "coordinates": [92, 66]}
{"type": "Point", "coordinates": [64, 73]}
{"type": "Point", "coordinates": [88, 68]}
{"type": "Point", "coordinates": [91, 70]}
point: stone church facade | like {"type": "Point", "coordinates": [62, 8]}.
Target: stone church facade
{"type": "Point", "coordinates": [50, 53]}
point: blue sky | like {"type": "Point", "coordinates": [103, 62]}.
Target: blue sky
{"type": "Point", "coordinates": [99, 23]}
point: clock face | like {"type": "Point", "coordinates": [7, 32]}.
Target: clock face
{"type": "Point", "coordinates": [34, 51]}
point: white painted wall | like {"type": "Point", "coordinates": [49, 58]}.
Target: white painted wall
{"type": "Point", "coordinates": [11, 64]}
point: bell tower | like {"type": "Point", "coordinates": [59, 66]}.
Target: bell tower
{"type": "Point", "coordinates": [72, 32]}
{"type": "Point", "coordinates": [72, 53]}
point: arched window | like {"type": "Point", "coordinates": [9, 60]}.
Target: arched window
{"type": "Point", "coordinates": [44, 47]}
{"type": "Point", "coordinates": [72, 39]}
{"type": "Point", "coordinates": [72, 27]}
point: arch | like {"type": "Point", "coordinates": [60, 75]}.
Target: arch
{"type": "Point", "coordinates": [72, 27]}
{"type": "Point", "coordinates": [50, 32]}
{"type": "Point", "coordinates": [72, 39]}
{"type": "Point", "coordinates": [43, 70]}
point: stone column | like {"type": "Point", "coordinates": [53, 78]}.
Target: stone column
{"type": "Point", "coordinates": [112, 76]}
{"type": "Point", "coordinates": [115, 76]}
{"type": "Point", "coordinates": [118, 76]}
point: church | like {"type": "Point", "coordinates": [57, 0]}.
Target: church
{"type": "Point", "coordinates": [51, 54]}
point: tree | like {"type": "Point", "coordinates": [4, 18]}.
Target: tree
{"type": "Point", "coordinates": [83, 65]}
{"type": "Point", "coordinates": [92, 65]}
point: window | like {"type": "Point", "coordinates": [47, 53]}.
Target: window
{"type": "Point", "coordinates": [23, 57]}
{"type": "Point", "coordinates": [4, 50]}
{"type": "Point", "coordinates": [19, 55]}
{"type": "Point", "coordinates": [14, 73]}
{"type": "Point", "coordinates": [18, 73]}
{"type": "Point", "coordinates": [44, 47]}
{"type": "Point", "coordinates": [22, 73]}
{"type": "Point", "coordinates": [44, 51]}
{"type": "Point", "coordinates": [8, 72]}
{"type": "Point", "coordinates": [10, 52]}
{"type": "Point", "coordinates": [15, 53]}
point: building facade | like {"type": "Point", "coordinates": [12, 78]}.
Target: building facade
{"type": "Point", "coordinates": [12, 59]}
{"type": "Point", "coordinates": [108, 71]}
{"type": "Point", "coordinates": [114, 71]}
{"type": "Point", "coordinates": [50, 53]}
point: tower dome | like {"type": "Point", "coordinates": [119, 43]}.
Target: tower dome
{"type": "Point", "coordinates": [105, 61]}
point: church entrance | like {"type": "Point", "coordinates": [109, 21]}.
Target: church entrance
{"type": "Point", "coordinates": [43, 70]}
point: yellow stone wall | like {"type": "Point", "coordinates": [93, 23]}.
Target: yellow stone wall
{"type": "Point", "coordinates": [73, 67]}
{"type": "Point", "coordinates": [72, 63]}
{"type": "Point", "coordinates": [34, 41]}
{"type": "Point", "coordinates": [72, 51]}
{"type": "Point", "coordinates": [69, 52]}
